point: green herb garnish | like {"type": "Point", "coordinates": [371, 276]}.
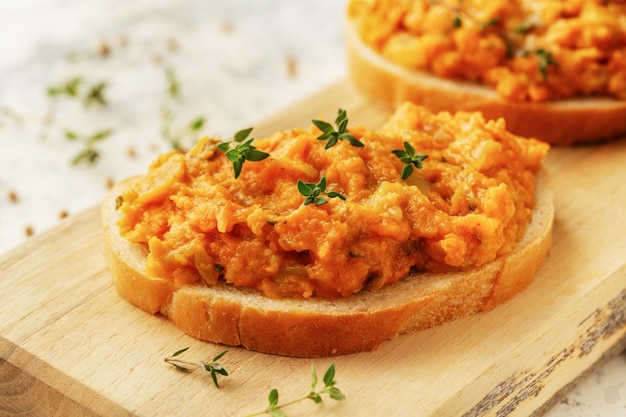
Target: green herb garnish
{"type": "Point", "coordinates": [545, 60]}
{"type": "Point", "coordinates": [489, 23]}
{"type": "Point", "coordinates": [410, 159]}
{"type": "Point", "coordinates": [243, 152]}
{"type": "Point", "coordinates": [70, 88]}
{"type": "Point", "coordinates": [73, 89]}
{"type": "Point", "coordinates": [187, 133]}
{"type": "Point", "coordinates": [89, 154]}
{"type": "Point", "coordinates": [173, 86]}
{"type": "Point", "coordinates": [95, 95]}
{"type": "Point", "coordinates": [332, 136]}
{"type": "Point", "coordinates": [275, 409]}
{"type": "Point", "coordinates": [313, 192]}
{"type": "Point", "coordinates": [211, 366]}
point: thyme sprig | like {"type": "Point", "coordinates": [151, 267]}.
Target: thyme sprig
{"type": "Point", "coordinates": [211, 366]}
{"type": "Point", "coordinates": [313, 192]}
{"type": "Point", "coordinates": [410, 159]}
{"type": "Point", "coordinates": [242, 151]}
{"type": "Point", "coordinates": [69, 88]}
{"type": "Point", "coordinates": [275, 409]}
{"type": "Point", "coordinates": [74, 89]}
{"type": "Point", "coordinates": [180, 138]}
{"type": "Point", "coordinates": [332, 135]}
{"type": "Point", "coordinates": [89, 154]}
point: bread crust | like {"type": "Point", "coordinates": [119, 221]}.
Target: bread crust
{"type": "Point", "coordinates": [318, 327]}
{"type": "Point", "coordinates": [562, 122]}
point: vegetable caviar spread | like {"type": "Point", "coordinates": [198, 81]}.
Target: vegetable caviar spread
{"type": "Point", "coordinates": [527, 50]}
{"type": "Point", "coordinates": [467, 205]}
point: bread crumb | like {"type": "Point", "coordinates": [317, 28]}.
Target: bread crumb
{"type": "Point", "coordinates": [131, 152]}
{"type": "Point", "coordinates": [63, 214]}
{"type": "Point", "coordinates": [13, 197]}
{"type": "Point", "coordinates": [123, 40]}
{"type": "Point", "coordinates": [105, 49]}
{"type": "Point", "coordinates": [292, 66]}
{"type": "Point", "coordinates": [172, 45]}
{"type": "Point", "coordinates": [226, 26]}
{"type": "Point", "coordinates": [29, 230]}
{"type": "Point", "coordinates": [110, 183]}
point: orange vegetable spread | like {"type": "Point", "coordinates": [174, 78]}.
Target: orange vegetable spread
{"type": "Point", "coordinates": [467, 205]}
{"type": "Point", "coordinates": [527, 50]}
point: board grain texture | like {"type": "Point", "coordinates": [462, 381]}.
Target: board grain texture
{"type": "Point", "coordinates": [69, 346]}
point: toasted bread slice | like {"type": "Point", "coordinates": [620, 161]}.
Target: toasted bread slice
{"type": "Point", "coordinates": [561, 122]}
{"type": "Point", "coordinates": [318, 327]}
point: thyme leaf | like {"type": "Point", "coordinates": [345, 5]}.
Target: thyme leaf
{"type": "Point", "coordinates": [313, 192]}
{"type": "Point", "coordinates": [70, 88]}
{"type": "Point", "coordinates": [95, 95]}
{"type": "Point", "coordinates": [242, 151]}
{"type": "Point", "coordinates": [332, 135]}
{"type": "Point", "coordinates": [409, 158]}
{"type": "Point", "coordinates": [545, 60]}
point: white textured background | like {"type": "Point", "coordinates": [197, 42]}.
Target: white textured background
{"type": "Point", "coordinates": [237, 62]}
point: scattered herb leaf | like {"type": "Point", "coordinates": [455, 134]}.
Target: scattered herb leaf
{"type": "Point", "coordinates": [313, 192]}
{"type": "Point", "coordinates": [410, 159]}
{"type": "Point", "coordinates": [211, 366]}
{"type": "Point", "coordinates": [275, 409]}
{"type": "Point", "coordinates": [89, 154]}
{"type": "Point", "coordinates": [181, 138]}
{"type": "Point", "coordinates": [173, 86]}
{"type": "Point", "coordinates": [69, 88]}
{"type": "Point", "coordinates": [332, 136]}
{"type": "Point", "coordinates": [95, 95]}
{"type": "Point", "coordinates": [72, 89]}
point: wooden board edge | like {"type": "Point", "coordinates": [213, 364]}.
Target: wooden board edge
{"type": "Point", "coordinates": [562, 393]}
{"type": "Point", "coordinates": [29, 386]}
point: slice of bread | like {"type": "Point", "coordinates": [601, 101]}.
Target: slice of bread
{"type": "Point", "coordinates": [562, 122]}
{"type": "Point", "coordinates": [318, 327]}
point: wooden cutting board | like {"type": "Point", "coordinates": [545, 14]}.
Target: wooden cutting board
{"type": "Point", "coordinates": [70, 346]}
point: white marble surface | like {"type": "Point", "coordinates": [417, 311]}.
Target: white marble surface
{"type": "Point", "coordinates": [237, 62]}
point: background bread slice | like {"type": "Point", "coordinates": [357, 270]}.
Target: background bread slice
{"type": "Point", "coordinates": [558, 122]}
{"type": "Point", "coordinates": [318, 327]}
